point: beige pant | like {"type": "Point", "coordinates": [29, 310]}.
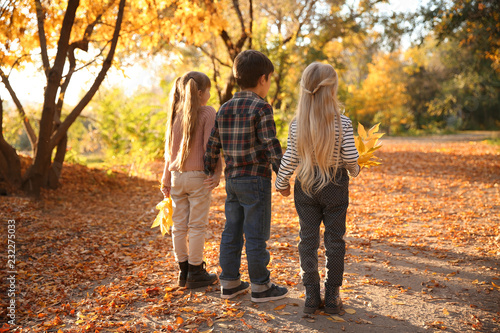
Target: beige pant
{"type": "Point", "coordinates": [191, 204]}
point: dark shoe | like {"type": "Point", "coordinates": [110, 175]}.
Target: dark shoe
{"type": "Point", "coordinates": [199, 277]}
{"type": "Point", "coordinates": [313, 298]}
{"type": "Point", "coordinates": [271, 294]}
{"type": "Point", "coordinates": [333, 302]}
{"type": "Point", "coordinates": [233, 292]}
{"type": "Point", "coordinates": [184, 267]}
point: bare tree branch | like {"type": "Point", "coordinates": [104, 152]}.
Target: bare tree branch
{"type": "Point", "coordinates": [236, 5]}
{"type": "Point", "coordinates": [10, 165]}
{"type": "Point", "coordinates": [41, 36]}
{"type": "Point", "coordinates": [82, 44]}
{"type": "Point", "coordinates": [101, 52]}
{"type": "Point", "coordinates": [22, 114]}
{"type": "Point", "coordinates": [4, 7]}
{"type": "Point", "coordinates": [61, 131]}
{"type": "Point", "coordinates": [310, 7]}
{"type": "Point", "coordinates": [250, 2]}
{"type": "Point", "coordinates": [213, 57]}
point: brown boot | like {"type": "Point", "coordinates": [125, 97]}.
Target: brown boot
{"type": "Point", "coordinates": [313, 298]}
{"type": "Point", "coordinates": [333, 302]}
{"type": "Point", "coordinates": [199, 277]}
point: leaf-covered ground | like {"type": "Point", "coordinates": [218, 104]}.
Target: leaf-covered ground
{"type": "Point", "coordinates": [423, 248]}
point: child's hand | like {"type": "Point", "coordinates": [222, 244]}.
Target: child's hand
{"type": "Point", "coordinates": [286, 192]}
{"type": "Point", "coordinates": [166, 191]}
{"type": "Point", "coordinates": [211, 182]}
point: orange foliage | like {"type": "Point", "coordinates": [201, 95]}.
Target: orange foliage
{"type": "Point", "coordinates": [91, 262]}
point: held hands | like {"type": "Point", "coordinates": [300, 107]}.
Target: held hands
{"type": "Point", "coordinates": [286, 192]}
{"type": "Point", "coordinates": [211, 182]}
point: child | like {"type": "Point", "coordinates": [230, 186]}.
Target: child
{"type": "Point", "coordinates": [245, 130]}
{"type": "Point", "coordinates": [189, 124]}
{"type": "Point", "coordinates": [321, 145]}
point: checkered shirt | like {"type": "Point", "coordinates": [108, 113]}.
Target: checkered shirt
{"type": "Point", "coordinates": [245, 131]}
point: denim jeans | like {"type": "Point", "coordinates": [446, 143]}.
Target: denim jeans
{"type": "Point", "coordinates": [248, 212]}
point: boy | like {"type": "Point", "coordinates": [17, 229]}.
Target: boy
{"type": "Point", "coordinates": [245, 130]}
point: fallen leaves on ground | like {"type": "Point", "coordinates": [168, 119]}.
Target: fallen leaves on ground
{"type": "Point", "coordinates": [88, 261]}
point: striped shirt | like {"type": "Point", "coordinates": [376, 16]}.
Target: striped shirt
{"type": "Point", "coordinates": [245, 130]}
{"type": "Point", "coordinates": [348, 154]}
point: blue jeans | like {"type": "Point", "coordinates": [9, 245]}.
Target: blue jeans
{"type": "Point", "coordinates": [248, 211]}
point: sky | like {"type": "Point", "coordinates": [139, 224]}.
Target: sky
{"type": "Point", "coordinates": [29, 83]}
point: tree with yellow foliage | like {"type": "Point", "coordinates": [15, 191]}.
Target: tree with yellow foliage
{"type": "Point", "coordinates": [63, 37]}
{"type": "Point", "coordinates": [382, 96]}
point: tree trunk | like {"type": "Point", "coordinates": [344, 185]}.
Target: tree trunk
{"type": "Point", "coordinates": [227, 93]}
{"type": "Point", "coordinates": [37, 175]}
{"type": "Point", "coordinates": [10, 164]}
{"type": "Point", "coordinates": [57, 164]}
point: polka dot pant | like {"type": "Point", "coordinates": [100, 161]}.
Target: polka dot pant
{"type": "Point", "coordinates": [328, 206]}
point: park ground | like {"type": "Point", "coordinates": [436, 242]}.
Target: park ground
{"type": "Point", "coordinates": [423, 249]}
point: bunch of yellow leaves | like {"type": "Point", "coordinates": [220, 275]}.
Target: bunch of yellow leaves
{"type": "Point", "coordinates": [164, 217]}
{"type": "Point", "coordinates": [366, 144]}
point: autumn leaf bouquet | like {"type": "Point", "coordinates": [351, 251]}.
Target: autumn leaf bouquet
{"type": "Point", "coordinates": [164, 217]}
{"type": "Point", "coordinates": [367, 143]}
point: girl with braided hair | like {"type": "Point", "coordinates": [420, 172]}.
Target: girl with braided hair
{"type": "Point", "coordinates": [321, 147]}
{"type": "Point", "coordinates": [189, 124]}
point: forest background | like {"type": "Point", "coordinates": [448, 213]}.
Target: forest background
{"type": "Point", "coordinates": [434, 69]}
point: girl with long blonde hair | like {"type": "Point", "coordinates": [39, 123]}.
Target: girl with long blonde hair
{"type": "Point", "coordinates": [321, 147]}
{"type": "Point", "coordinates": [189, 124]}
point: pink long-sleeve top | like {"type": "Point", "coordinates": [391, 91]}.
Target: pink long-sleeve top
{"type": "Point", "coordinates": [194, 161]}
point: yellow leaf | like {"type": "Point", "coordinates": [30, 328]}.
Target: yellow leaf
{"type": "Point", "coordinates": [283, 313]}
{"type": "Point", "coordinates": [336, 319]}
{"type": "Point", "coordinates": [373, 129]}
{"type": "Point", "coordinates": [350, 311]}
{"type": "Point", "coordinates": [164, 217]}
{"type": "Point", "coordinates": [280, 307]}
{"type": "Point", "coordinates": [361, 131]}
{"type": "Point", "coordinates": [367, 144]}
{"type": "Point", "coordinates": [445, 312]}
{"type": "Point", "coordinates": [361, 146]}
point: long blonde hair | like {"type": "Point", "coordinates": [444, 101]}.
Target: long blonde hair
{"type": "Point", "coordinates": [319, 127]}
{"type": "Point", "coordinates": [184, 103]}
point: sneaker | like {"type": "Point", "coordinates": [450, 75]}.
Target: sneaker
{"type": "Point", "coordinates": [271, 294]}
{"type": "Point", "coordinates": [233, 292]}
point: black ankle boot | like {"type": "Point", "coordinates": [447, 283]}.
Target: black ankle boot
{"type": "Point", "coordinates": [333, 302]}
{"type": "Point", "coordinates": [199, 277]}
{"type": "Point", "coordinates": [184, 267]}
{"type": "Point", "coordinates": [313, 298]}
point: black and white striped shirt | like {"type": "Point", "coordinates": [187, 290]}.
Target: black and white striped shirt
{"type": "Point", "coordinates": [348, 154]}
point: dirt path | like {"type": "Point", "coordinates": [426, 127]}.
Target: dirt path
{"type": "Point", "coordinates": [423, 247]}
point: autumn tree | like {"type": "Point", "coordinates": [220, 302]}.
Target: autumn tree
{"type": "Point", "coordinates": [291, 33]}
{"type": "Point", "coordinates": [382, 96]}
{"type": "Point", "coordinates": [466, 37]}
{"type": "Point", "coordinates": [62, 38]}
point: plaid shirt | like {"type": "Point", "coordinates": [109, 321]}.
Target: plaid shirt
{"type": "Point", "coordinates": [246, 132]}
